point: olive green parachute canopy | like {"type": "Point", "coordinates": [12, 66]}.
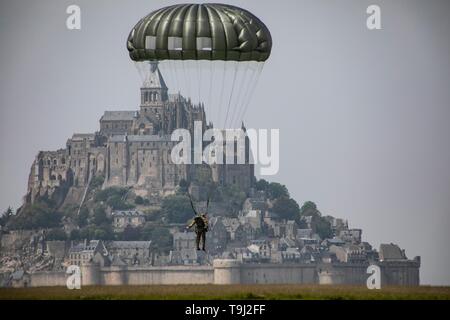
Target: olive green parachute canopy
{"type": "Point", "coordinates": [200, 32]}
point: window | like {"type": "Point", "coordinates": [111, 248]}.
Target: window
{"type": "Point", "coordinates": [150, 42]}
{"type": "Point", "coordinates": [204, 44]}
{"type": "Point", "coordinates": [175, 43]}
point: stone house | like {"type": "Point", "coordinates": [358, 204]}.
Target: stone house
{"type": "Point", "coordinates": [218, 236]}
{"type": "Point", "coordinates": [83, 253]}
{"type": "Point", "coordinates": [131, 252]}
{"type": "Point", "coordinates": [351, 235]}
{"type": "Point", "coordinates": [391, 252]}
{"type": "Point", "coordinates": [291, 229]}
{"type": "Point", "coordinates": [124, 218]}
{"type": "Point", "coordinates": [184, 240]}
{"type": "Point", "coordinates": [19, 279]}
{"type": "Point", "coordinates": [253, 217]}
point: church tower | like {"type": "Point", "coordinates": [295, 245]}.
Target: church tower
{"type": "Point", "coordinates": [154, 95]}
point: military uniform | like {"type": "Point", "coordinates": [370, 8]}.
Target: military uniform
{"type": "Point", "coordinates": [201, 227]}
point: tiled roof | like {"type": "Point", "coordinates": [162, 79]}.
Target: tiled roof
{"type": "Point", "coordinates": [119, 116]}
{"type": "Point", "coordinates": [129, 244]}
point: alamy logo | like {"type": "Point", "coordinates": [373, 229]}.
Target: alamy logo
{"type": "Point", "coordinates": [374, 280]}
{"type": "Point", "coordinates": [73, 21]}
{"type": "Point", "coordinates": [228, 146]}
{"type": "Point", "coordinates": [74, 279]}
{"type": "Point", "coordinates": [374, 20]}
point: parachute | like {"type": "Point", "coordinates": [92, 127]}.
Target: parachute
{"type": "Point", "coordinates": [214, 53]}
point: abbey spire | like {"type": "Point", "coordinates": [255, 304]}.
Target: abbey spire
{"type": "Point", "coordinates": [154, 90]}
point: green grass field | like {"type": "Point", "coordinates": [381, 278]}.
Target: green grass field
{"type": "Point", "coordinates": [201, 292]}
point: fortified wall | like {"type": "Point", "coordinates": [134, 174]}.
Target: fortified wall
{"type": "Point", "coordinates": [230, 271]}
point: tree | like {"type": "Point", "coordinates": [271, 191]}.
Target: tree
{"type": "Point", "coordinates": [107, 193]}
{"type": "Point", "coordinates": [177, 208]}
{"type": "Point", "coordinates": [232, 196]}
{"type": "Point", "coordinates": [97, 182]}
{"type": "Point", "coordinates": [146, 233]}
{"type": "Point", "coordinates": [56, 234]}
{"type": "Point", "coordinates": [131, 234]}
{"type": "Point", "coordinates": [309, 208]}
{"type": "Point", "coordinates": [35, 216]}
{"type": "Point", "coordinates": [75, 234]}
{"type": "Point", "coordinates": [100, 216]}
{"type": "Point", "coordinates": [319, 224]}
{"type": "Point", "coordinates": [322, 227]}
{"type": "Point", "coordinates": [6, 216]}
{"type": "Point", "coordinates": [104, 232]}
{"type": "Point", "coordinates": [286, 208]}
{"type": "Point", "coordinates": [82, 219]}
{"type": "Point", "coordinates": [117, 203]}
{"type": "Point", "coordinates": [87, 233]}
{"type": "Point", "coordinates": [100, 234]}
{"type": "Point", "coordinates": [184, 185]}
{"type": "Point", "coordinates": [139, 200]}
{"type": "Point", "coordinates": [262, 185]}
{"type": "Point", "coordinates": [276, 190]}
{"type": "Point", "coordinates": [162, 238]}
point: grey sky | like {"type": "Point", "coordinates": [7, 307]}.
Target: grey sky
{"type": "Point", "coordinates": [363, 115]}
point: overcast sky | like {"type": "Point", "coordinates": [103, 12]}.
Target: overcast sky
{"type": "Point", "coordinates": [363, 115]}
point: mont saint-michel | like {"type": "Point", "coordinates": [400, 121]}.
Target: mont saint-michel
{"type": "Point", "coordinates": [113, 203]}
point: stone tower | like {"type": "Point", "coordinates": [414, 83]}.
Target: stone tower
{"type": "Point", "coordinates": [154, 95]}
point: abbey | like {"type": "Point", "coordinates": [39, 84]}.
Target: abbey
{"type": "Point", "coordinates": [132, 148]}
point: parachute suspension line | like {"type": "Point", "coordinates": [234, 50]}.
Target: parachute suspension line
{"type": "Point", "coordinates": [231, 93]}
{"type": "Point", "coordinates": [165, 67]}
{"type": "Point", "coordinates": [211, 74]}
{"type": "Point", "coordinates": [186, 80]}
{"type": "Point", "coordinates": [248, 89]}
{"type": "Point", "coordinates": [219, 105]}
{"type": "Point", "coordinates": [238, 97]}
{"type": "Point", "coordinates": [249, 84]}
{"type": "Point", "coordinates": [138, 65]}
{"type": "Point", "coordinates": [199, 81]}
{"type": "Point", "coordinates": [174, 75]}
{"type": "Point", "coordinates": [252, 90]}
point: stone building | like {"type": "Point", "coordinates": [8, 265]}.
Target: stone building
{"type": "Point", "coordinates": [391, 252]}
{"type": "Point", "coordinates": [351, 235]}
{"type": "Point", "coordinates": [124, 218]}
{"type": "Point", "coordinates": [253, 217]}
{"type": "Point", "coordinates": [184, 240]}
{"type": "Point", "coordinates": [218, 236]}
{"type": "Point", "coordinates": [83, 253]}
{"type": "Point", "coordinates": [185, 249]}
{"type": "Point", "coordinates": [131, 149]}
{"type": "Point", "coordinates": [131, 252]}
